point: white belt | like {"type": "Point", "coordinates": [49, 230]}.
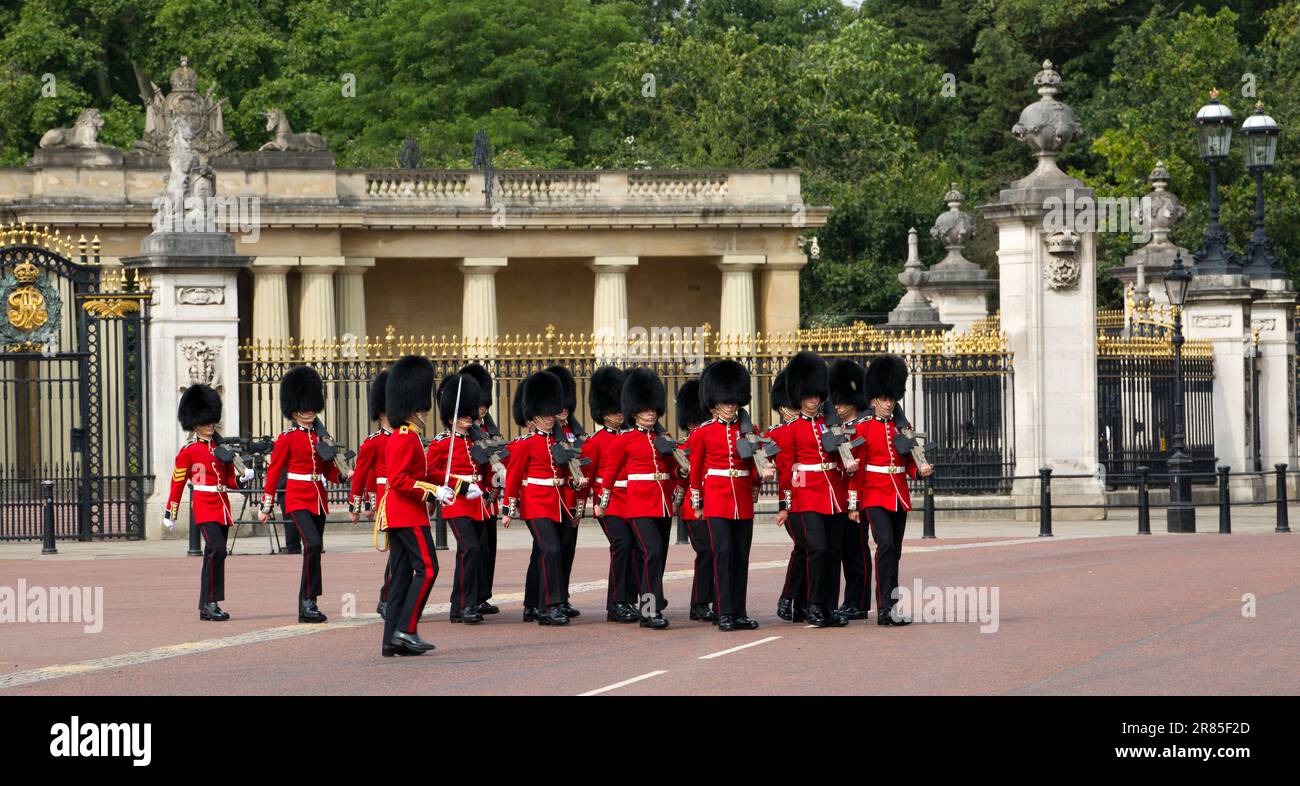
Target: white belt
{"type": "Point", "coordinates": [215, 489]}
{"type": "Point", "coordinates": [308, 478]}
{"type": "Point", "coordinates": [886, 470]}
{"type": "Point", "coordinates": [544, 481]}
{"type": "Point", "coordinates": [730, 473]}
{"type": "Point", "coordinates": [381, 480]}
{"type": "Point", "coordinates": [649, 476]}
{"type": "Point", "coordinates": [814, 467]}
{"type": "Point", "coordinates": [620, 484]}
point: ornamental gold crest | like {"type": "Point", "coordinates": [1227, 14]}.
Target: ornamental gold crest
{"type": "Point", "coordinates": [31, 308]}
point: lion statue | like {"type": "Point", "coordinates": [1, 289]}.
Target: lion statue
{"type": "Point", "coordinates": [81, 135]}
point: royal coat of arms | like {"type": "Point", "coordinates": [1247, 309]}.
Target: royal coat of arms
{"type": "Point", "coordinates": [31, 309]}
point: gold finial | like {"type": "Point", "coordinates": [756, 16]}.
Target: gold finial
{"type": "Point", "coordinates": [388, 333]}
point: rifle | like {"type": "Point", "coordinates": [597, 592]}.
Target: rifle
{"type": "Point", "coordinates": [328, 451]}
{"type": "Point", "coordinates": [667, 446]}
{"type": "Point", "coordinates": [569, 453]}
{"type": "Point", "coordinates": [907, 440]}
{"type": "Point", "coordinates": [486, 448]}
{"type": "Point", "coordinates": [229, 456]}
{"type": "Point", "coordinates": [837, 437]}
{"type": "Point", "coordinates": [760, 449]}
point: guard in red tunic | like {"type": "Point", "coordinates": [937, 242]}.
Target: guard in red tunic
{"type": "Point", "coordinates": [297, 454]}
{"type": "Point", "coordinates": [642, 455]}
{"type": "Point", "coordinates": [793, 603]}
{"type": "Point", "coordinates": [461, 491]}
{"type": "Point", "coordinates": [570, 435]}
{"type": "Point", "coordinates": [848, 397]}
{"type": "Point", "coordinates": [369, 478]}
{"type": "Point", "coordinates": [724, 488]}
{"type": "Point", "coordinates": [882, 480]}
{"type": "Point", "coordinates": [690, 414]}
{"type": "Point", "coordinates": [488, 546]}
{"type": "Point", "coordinates": [209, 475]}
{"type": "Point", "coordinates": [817, 488]}
{"type": "Point", "coordinates": [533, 492]}
{"type": "Point", "coordinates": [603, 399]}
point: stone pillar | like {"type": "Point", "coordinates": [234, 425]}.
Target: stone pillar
{"type": "Point", "coordinates": [478, 314]}
{"type": "Point", "coordinates": [351, 294]}
{"type": "Point", "coordinates": [1219, 310]}
{"type": "Point", "coordinates": [780, 289]}
{"type": "Point", "coordinates": [271, 297]}
{"type": "Point", "coordinates": [957, 287]}
{"type": "Point", "coordinates": [316, 307]}
{"type": "Point", "coordinates": [1049, 313]}
{"type": "Point", "coordinates": [1273, 322]}
{"type": "Point", "coordinates": [609, 308]}
{"type": "Point", "coordinates": [1145, 268]}
{"type": "Point", "coordinates": [739, 318]}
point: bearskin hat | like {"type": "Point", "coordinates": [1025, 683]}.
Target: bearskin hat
{"type": "Point", "coordinates": [199, 406]}
{"type": "Point", "coordinates": [848, 384]}
{"type": "Point", "coordinates": [605, 392]}
{"type": "Point", "coordinates": [469, 398]}
{"type": "Point", "coordinates": [517, 404]}
{"type": "Point", "coordinates": [484, 380]}
{"type": "Point", "coordinates": [689, 409]}
{"type": "Point", "coordinates": [542, 394]}
{"type": "Point", "coordinates": [887, 377]}
{"type": "Point", "coordinates": [642, 390]}
{"type": "Point", "coordinates": [806, 377]}
{"type": "Point", "coordinates": [780, 398]}
{"type": "Point", "coordinates": [378, 392]}
{"type": "Point", "coordinates": [570, 388]}
{"type": "Point", "coordinates": [301, 390]}
{"type": "Point", "coordinates": [724, 382]}
{"type": "Point", "coordinates": [409, 389]}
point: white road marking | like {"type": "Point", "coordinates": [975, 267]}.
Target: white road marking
{"type": "Point", "coordinates": [738, 649]}
{"type": "Point", "coordinates": [624, 683]}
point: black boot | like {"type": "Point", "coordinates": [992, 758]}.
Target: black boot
{"type": "Point", "coordinates": [213, 613]}
{"type": "Point", "coordinates": [816, 617]}
{"type": "Point", "coordinates": [554, 615]}
{"type": "Point", "coordinates": [836, 619]}
{"type": "Point", "coordinates": [800, 614]}
{"type": "Point", "coordinates": [726, 622]}
{"type": "Point", "coordinates": [382, 608]}
{"type": "Point", "coordinates": [411, 642]}
{"type": "Point", "coordinates": [887, 619]}
{"type": "Point", "coordinates": [487, 608]}
{"type": "Point", "coordinates": [785, 609]}
{"type": "Point", "coordinates": [657, 622]}
{"type": "Point", "coordinates": [307, 611]}
{"type": "Point", "coordinates": [530, 613]}
{"type": "Point", "coordinates": [622, 612]}
{"type": "Point", "coordinates": [742, 622]}
{"type": "Point", "coordinates": [470, 616]}
{"type": "Point", "coordinates": [701, 612]}
{"type": "Point", "coordinates": [569, 611]}
{"type": "Point", "coordinates": [852, 612]}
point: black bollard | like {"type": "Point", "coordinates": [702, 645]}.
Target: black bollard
{"type": "Point", "coordinates": [1225, 504]}
{"type": "Point", "coordinates": [1144, 501]}
{"type": "Point", "coordinates": [928, 521]}
{"type": "Point", "coordinates": [47, 518]}
{"type": "Point", "coordinates": [1282, 524]}
{"type": "Point", "coordinates": [1045, 503]}
{"type": "Point", "coordinates": [196, 546]}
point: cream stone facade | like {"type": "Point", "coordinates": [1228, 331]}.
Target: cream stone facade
{"type": "Point", "coordinates": [339, 252]}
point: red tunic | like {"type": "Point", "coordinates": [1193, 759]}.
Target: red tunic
{"type": "Point", "coordinates": [632, 456]}
{"type": "Point", "coordinates": [567, 491]}
{"type": "Point", "coordinates": [409, 481]}
{"type": "Point", "coordinates": [594, 448]}
{"type": "Point", "coordinates": [533, 482]}
{"type": "Point", "coordinates": [370, 476]}
{"type": "Point", "coordinates": [209, 477]}
{"type": "Point", "coordinates": [876, 486]}
{"type": "Point", "coordinates": [463, 469]}
{"type": "Point", "coordinates": [816, 479]}
{"type": "Point", "coordinates": [682, 485]}
{"type": "Point", "coordinates": [719, 476]}
{"type": "Point", "coordinates": [295, 453]}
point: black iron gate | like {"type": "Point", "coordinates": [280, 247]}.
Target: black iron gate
{"type": "Point", "coordinates": [72, 401]}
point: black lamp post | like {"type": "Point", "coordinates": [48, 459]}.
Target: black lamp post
{"type": "Point", "coordinates": [1181, 513]}
{"type": "Point", "coordinates": [1214, 137]}
{"type": "Point", "coordinates": [1259, 134]}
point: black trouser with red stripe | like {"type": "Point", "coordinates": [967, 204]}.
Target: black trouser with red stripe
{"type": "Point", "coordinates": [388, 572]}
{"type": "Point", "coordinates": [824, 535]}
{"type": "Point", "coordinates": [796, 571]}
{"type": "Point", "coordinates": [887, 527]}
{"type": "Point", "coordinates": [414, 571]}
{"type": "Point", "coordinates": [703, 589]}
{"type": "Point", "coordinates": [568, 533]}
{"type": "Point", "coordinates": [729, 542]}
{"type": "Point", "coordinates": [488, 560]}
{"type": "Point", "coordinates": [856, 557]}
{"type": "Point", "coordinates": [622, 574]}
{"type": "Point", "coordinates": [652, 536]}
{"type": "Point", "coordinates": [212, 580]}
{"type": "Point", "coordinates": [465, 581]}
{"type": "Point", "coordinates": [309, 525]}
{"type": "Point", "coordinates": [543, 588]}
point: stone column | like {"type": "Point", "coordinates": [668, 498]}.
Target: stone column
{"type": "Point", "coordinates": [478, 314]}
{"type": "Point", "coordinates": [271, 297]}
{"type": "Point", "coordinates": [1049, 312]}
{"type": "Point", "coordinates": [609, 308]}
{"type": "Point", "coordinates": [1219, 310]}
{"type": "Point", "coordinates": [351, 294]}
{"type": "Point", "coordinates": [316, 307]}
{"type": "Point", "coordinates": [739, 318]}
{"type": "Point", "coordinates": [1273, 322]}
{"type": "Point", "coordinates": [781, 294]}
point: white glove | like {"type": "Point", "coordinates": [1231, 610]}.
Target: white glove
{"type": "Point", "coordinates": [248, 475]}
{"type": "Point", "coordinates": [445, 495]}
{"type": "Point", "coordinates": [473, 492]}
{"type": "Point", "coordinates": [499, 480]}
{"type": "Point", "coordinates": [169, 524]}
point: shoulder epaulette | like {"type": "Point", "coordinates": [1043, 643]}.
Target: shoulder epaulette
{"type": "Point", "coordinates": [441, 436]}
{"type": "Point", "coordinates": [404, 429]}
